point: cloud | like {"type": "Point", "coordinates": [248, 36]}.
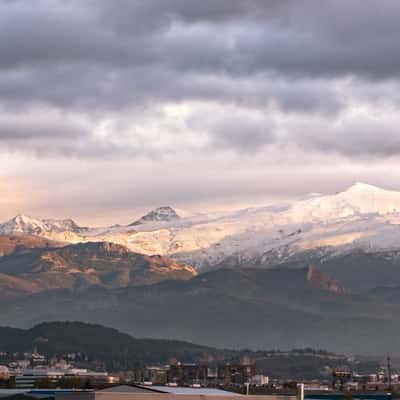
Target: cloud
{"type": "Point", "coordinates": [235, 38]}
{"type": "Point", "coordinates": [15, 131]}
{"type": "Point", "coordinates": [238, 76]}
{"type": "Point", "coordinates": [47, 134]}
{"type": "Point", "coordinates": [357, 135]}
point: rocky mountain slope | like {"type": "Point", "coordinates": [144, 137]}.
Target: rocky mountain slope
{"type": "Point", "coordinates": [10, 244]}
{"type": "Point", "coordinates": [29, 270]}
{"type": "Point", "coordinates": [359, 270]}
{"type": "Point", "coordinates": [362, 217]}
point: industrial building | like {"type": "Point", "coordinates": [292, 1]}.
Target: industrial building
{"type": "Point", "coordinates": [31, 378]}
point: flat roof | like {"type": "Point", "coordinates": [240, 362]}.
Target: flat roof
{"type": "Point", "coordinates": [189, 390]}
{"type": "Point", "coordinates": [125, 389]}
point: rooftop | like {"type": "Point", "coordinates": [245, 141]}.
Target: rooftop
{"type": "Point", "coordinates": [188, 390]}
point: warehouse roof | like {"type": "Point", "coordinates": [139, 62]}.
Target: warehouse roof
{"type": "Point", "coordinates": [189, 390]}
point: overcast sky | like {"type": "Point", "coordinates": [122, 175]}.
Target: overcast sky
{"type": "Point", "coordinates": [110, 107]}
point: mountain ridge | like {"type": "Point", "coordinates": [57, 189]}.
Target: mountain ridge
{"type": "Point", "coordinates": [77, 266]}
{"type": "Point", "coordinates": [361, 217]}
{"type": "Point", "coordinates": [246, 308]}
{"type": "Point", "coordinates": [25, 224]}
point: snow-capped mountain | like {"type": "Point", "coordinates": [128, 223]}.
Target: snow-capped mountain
{"type": "Point", "coordinates": [361, 217]}
{"type": "Point", "coordinates": [33, 226]}
{"type": "Point", "coordinates": [160, 214]}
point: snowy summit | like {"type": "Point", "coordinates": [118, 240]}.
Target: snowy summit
{"type": "Point", "coordinates": [160, 214]}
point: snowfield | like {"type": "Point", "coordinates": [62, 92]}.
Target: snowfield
{"type": "Point", "coordinates": [363, 216]}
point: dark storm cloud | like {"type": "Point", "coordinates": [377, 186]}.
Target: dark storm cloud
{"type": "Point", "coordinates": [242, 132]}
{"type": "Point", "coordinates": [233, 37]}
{"type": "Point", "coordinates": [98, 57]}
{"type": "Point", "coordinates": [356, 137]}
{"type": "Point", "coordinates": [43, 137]}
{"type": "Point", "coordinates": [14, 131]}
{"type": "Point", "coordinates": [55, 137]}
{"type": "Point", "coordinates": [89, 89]}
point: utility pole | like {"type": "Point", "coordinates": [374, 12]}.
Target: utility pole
{"type": "Point", "coordinates": [389, 371]}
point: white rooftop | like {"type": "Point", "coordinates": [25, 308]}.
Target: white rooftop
{"type": "Point", "coordinates": [188, 390]}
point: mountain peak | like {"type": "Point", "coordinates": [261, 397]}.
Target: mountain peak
{"type": "Point", "coordinates": [376, 198]}
{"type": "Point", "coordinates": [159, 214]}
{"type": "Point", "coordinates": [23, 218]}
{"type": "Point", "coordinates": [24, 224]}
{"type": "Point", "coordinates": [365, 187]}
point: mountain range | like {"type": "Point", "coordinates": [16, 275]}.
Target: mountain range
{"type": "Point", "coordinates": [363, 217]}
{"type": "Point", "coordinates": [322, 271]}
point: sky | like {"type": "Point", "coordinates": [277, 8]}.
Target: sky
{"type": "Point", "coordinates": [109, 108]}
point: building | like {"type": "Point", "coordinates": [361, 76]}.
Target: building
{"type": "Point", "coordinates": [28, 378]}
{"type": "Point", "coordinates": [31, 378]}
{"type": "Point", "coordinates": [259, 380]}
{"type": "Point", "coordinates": [197, 374]}
{"type": "Point", "coordinates": [158, 375]}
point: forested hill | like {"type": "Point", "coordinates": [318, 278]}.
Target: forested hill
{"type": "Point", "coordinates": [113, 348]}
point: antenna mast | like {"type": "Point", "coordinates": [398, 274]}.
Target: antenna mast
{"type": "Point", "coordinates": [389, 370]}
